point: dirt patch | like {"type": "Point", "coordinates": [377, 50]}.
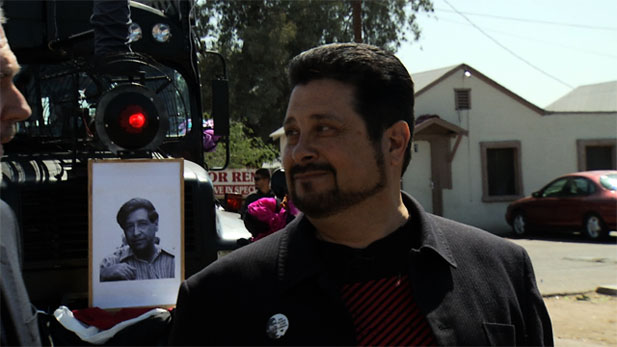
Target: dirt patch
{"type": "Point", "coordinates": [588, 319]}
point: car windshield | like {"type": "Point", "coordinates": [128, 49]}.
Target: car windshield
{"type": "Point", "coordinates": [609, 181]}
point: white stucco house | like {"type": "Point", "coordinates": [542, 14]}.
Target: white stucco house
{"type": "Point", "coordinates": [478, 146]}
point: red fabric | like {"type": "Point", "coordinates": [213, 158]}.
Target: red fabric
{"type": "Point", "coordinates": [95, 316]}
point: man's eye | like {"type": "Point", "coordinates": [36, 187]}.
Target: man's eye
{"type": "Point", "coordinates": [325, 129]}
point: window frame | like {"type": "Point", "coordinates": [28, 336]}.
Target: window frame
{"type": "Point", "coordinates": [581, 150]}
{"type": "Point", "coordinates": [591, 187]}
{"type": "Point", "coordinates": [518, 175]}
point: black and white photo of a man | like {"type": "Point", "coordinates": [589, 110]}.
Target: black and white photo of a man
{"type": "Point", "coordinates": [139, 257]}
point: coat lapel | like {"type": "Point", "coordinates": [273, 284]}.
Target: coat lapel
{"type": "Point", "coordinates": [430, 272]}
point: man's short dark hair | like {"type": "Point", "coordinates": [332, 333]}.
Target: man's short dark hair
{"type": "Point", "coordinates": [383, 88]}
{"type": "Point", "coordinates": [134, 205]}
{"type": "Point", "coordinates": [263, 172]}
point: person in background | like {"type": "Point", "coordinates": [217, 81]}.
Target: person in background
{"type": "Point", "coordinates": [18, 321]}
{"type": "Point", "coordinates": [363, 264]}
{"type": "Point", "coordinates": [268, 215]}
{"type": "Point", "coordinates": [262, 187]}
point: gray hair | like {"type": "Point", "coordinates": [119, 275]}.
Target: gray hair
{"type": "Point", "coordinates": [2, 17]}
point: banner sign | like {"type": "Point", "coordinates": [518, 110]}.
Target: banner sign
{"type": "Point", "coordinates": [233, 181]}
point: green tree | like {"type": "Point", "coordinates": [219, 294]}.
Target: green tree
{"type": "Point", "coordinates": [247, 150]}
{"type": "Point", "coordinates": [258, 37]}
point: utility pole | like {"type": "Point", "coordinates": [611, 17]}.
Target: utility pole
{"type": "Point", "coordinates": [356, 7]}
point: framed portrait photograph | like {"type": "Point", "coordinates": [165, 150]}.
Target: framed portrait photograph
{"type": "Point", "coordinates": [136, 236]}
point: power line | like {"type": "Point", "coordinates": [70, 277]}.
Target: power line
{"type": "Point", "coordinates": [526, 38]}
{"type": "Point", "coordinates": [509, 50]}
{"type": "Point", "coordinates": [526, 20]}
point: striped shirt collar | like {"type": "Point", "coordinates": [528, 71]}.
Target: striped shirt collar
{"type": "Point", "coordinates": [126, 252]}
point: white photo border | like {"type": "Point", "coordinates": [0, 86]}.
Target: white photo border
{"type": "Point", "coordinates": [113, 182]}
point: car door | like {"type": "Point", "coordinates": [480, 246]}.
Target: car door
{"type": "Point", "coordinates": [544, 211]}
{"type": "Point", "coordinates": [570, 205]}
{"type": "Point", "coordinates": [584, 201]}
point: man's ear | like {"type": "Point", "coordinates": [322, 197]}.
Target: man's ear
{"type": "Point", "coordinates": [397, 137]}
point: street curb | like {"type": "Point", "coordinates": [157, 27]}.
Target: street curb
{"type": "Point", "coordinates": [607, 290]}
{"type": "Point", "coordinates": [552, 295]}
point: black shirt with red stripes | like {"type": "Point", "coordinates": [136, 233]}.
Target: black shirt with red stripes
{"type": "Point", "coordinates": [374, 285]}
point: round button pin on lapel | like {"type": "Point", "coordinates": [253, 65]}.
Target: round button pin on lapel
{"type": "Point", "coordinates": [277, 326]}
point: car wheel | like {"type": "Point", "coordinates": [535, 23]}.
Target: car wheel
{"type": "Point", "coordinates": [594, 227]}
{"type": "Point", "coordinates": [519, 224]}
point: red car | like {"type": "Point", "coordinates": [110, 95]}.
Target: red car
{"type": "Point", "coordinates": [584, 201]}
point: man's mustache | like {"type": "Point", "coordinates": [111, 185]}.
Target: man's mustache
{"type": "Point", "coordinates": [299, 169]}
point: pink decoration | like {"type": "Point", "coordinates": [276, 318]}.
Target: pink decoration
{"type": "Point", "coordinates": [264, 210]}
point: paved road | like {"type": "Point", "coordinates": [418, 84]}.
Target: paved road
{"type": "Point", "coordinates": [569, 264]}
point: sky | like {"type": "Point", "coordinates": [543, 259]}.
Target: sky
{"type": "Point", "coordinates": [538, 49]}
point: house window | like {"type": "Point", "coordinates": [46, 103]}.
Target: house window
{"type": "Point", "coordinates": [462, 99]}
{"type": "Point", "coordinates": [596, 154]}
{"type": "Point", "coordinates": [501, 171]}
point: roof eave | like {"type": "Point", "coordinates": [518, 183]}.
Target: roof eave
{"type": "Point", "coordinates": [486, 79]}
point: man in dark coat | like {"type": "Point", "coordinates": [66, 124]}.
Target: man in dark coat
{"type": "Point", "coordinates": [364, 264]}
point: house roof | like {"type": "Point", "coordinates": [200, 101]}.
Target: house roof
{"type": "Point", "coordinates": [427, 125]}
{"type": "Point", "coordinates": [600, 97]}
{"type": "Point", "coordinates": [424, 81]}
{"type": "Point", "coordinates": [425, 78]}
